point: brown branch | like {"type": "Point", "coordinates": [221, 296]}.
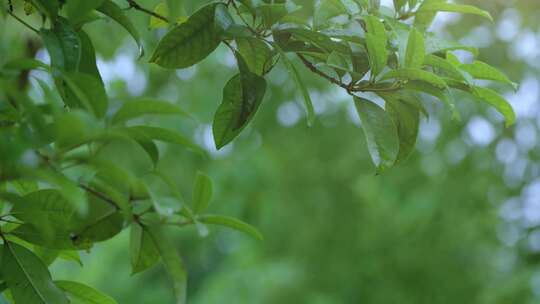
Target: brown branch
{"type": "Point", "coordinates": [100, 195]}
{"type": "Point", "coordinates": [312, 68]}
{"type": "Point", "coordinates": [135, 5]}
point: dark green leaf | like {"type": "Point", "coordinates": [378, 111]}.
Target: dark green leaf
{"type": "Point", "coordinates": [88, 92]}
{"type": "Point", "coordinates": [48, 7]}
{"type": "Point", "coordinates": [416, 50]}
{"type": "Point", "coordinates": [242, 97]}
{"type": "Point", "coordinates": [28, 278]}
{"type": "Point", "coordinates": [190, 42]}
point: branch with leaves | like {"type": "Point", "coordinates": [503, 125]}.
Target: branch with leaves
{"type": "Point", "coordinates": [358, 46]}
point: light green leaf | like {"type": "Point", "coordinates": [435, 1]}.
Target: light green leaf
{"type": "Point", "coordinates": [415, 74]}
{"type": "Point", "coordinates": [293, 72]}
{"type": "Point", "coordinates": [416, 50]}
{"type": "Point", "coordinates": [77, 10]}
{"type": "Point", "coordinates": [143, 251]}
{"type": "Point", "coordinates": [111, 9]}
{"type": "Point", "coordinates": [442, 94]}
{"type": "Point", "coordinates": [190, 42]}
{"type": "Point", "coordinates": [28, 278]}
{"type": "Point", "coordinates": [381, 133]}
{"type": "Point", "coordinates": [498, 102]}
{"type": "Point", "coordinates": [481, 70]}
{"type": "Point", "coordinates": [25, 64]}
{"type": "Point", "coordinates": [433, 7]}
{"type": "Point", "coordinates": [443, 66]}
{"type": "Point", "coordinates": [202, 193]}
{"type": "Point", "coordinates": [327, 9]}
{"type": "Point", "coordinates": [232, 223]}
{"type": "Point", "coordinates": [376, 41]}
{"type": "Point", "coordinates": [82, 294]}
{"type": "Point", "coordinates": [146, 106]}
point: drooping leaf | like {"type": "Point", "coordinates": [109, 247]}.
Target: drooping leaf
{"type": "Point", "coordinates": [83, 294]}
{"type": "Point", "coordinates": [498, 102]}
{"type": "Point", "coordinates": [88, 91]}
{"type": "Point", "coordinates": [242, 97]}
{"type": "Point", "coordinates": [232, 223]}
{"type": "Point", "coordinates": [190, 42]}
{"type": "Point", "coordinates": [143, 251]}
{"type": "Point", "coordinates": [406, 117]}
{"type": "Point", "coordinates": [63, 44]}
{"type": "Point", "coordinates": [381, 133]}
{"type": "Point", "coordinates": [293, 72]}
{"type": "Point", "coordinates": [172, 262]}
{"type": "Point", "coordinates": [77, 10]}
{"type": "Point", "coordinates": [28, 278]}
{"type": "Point", "coordinates": [111, 9]}
{"type": "Point", "coordinates": [202, 193]}
{"type": "Point", "coordinates": [146, 106]}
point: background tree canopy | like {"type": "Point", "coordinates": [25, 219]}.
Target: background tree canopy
{"type": "Point", "coordinates": [111, 110]}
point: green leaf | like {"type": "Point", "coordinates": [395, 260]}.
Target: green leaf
{"type": "Point", "coordinates": [441, 94]}
{"type": "Point", "coordinates": [453, 8]}
{"type": "Point", "coordinates": [25, 64]}
{"type": "Point", "coordinates": [88, 92]}
{"type": "Point", "coordinates": [271, 13]}
{"type": "Point", "coordinates": [172, 261]}
{"type": "Point", "coordinates": [256, 53]}
{"type": "Point", "coordinates": [242, 97]}
{"type": "Point", "coordinates": [77, 10]}
{"type": "Point", "coordinates": [416, 50]}
{"type": "Point", "coordinates": [146, 106]}
{"type": "Point", "coordinates": [143, 251]}
{"type": "Point", "coordinates": [498, 102]}
{"type": "Point", "coordinates": [381, 133]}
{"type": "Point", "coordinates": [406, 117]}
{"type": "Point", "coordinates": [376, 41]}
{"type": "Point", "coordinates": [232, 223]}
{"type": "Point", "coordinates": [434, 44]}
{"type": "Point", "coordinates": [481, 70]}
{"type": "Point", "coordinates": [82, 294]}
{"type": "Point", "coordinates": [88, 57]}
{"type": "Point", "coordinates": [190, 42]}
{"type": "Point", "coordinates": [445, 67]}
{"type": "Point", "coordinates": [202, 193]}
{"type": "Point", "coordinates": [116, 13]}
{"type": "Point", "coordinates": [415, 74]}
{"type": "Point", "coordinates": [63, 44]}
{"type": "Point", "coordinates": [165, 135]}
{"type": "Point", "coordinates": [47, 211]}
{"type": "Point", "coordinates": [293, 72]}
{"type": "Point", "coordinates": [28, 278]}
{"type": "Point", "coordinates": [48, 7]}
{"type": "Point", "coordinates": [327, 9]}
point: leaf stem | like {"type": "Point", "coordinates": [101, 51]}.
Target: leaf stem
{"type": "Point", "coordinates": [133, 4]}
{"type": "Point", "coordinates": [23, 22]}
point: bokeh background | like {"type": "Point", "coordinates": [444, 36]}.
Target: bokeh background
{"type": "Point", "coordinates": [459, 222]}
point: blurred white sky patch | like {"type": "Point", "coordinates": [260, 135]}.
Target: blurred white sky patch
{"type": "Point", "coordinates": [204, 137]}
{"type": "Point", "coordinates": [509, 25]}
{"type": "Point", "coordinates": [289, 113]}
{"type": "Point", "coordinates": [507, 151]}
{"type": "Point", "coordinates": [480, 131]}
{"type": "Point", "coordinates": [525, 101]}
{"type": "Point", "coordinates": [123, 67]}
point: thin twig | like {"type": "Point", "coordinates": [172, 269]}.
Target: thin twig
{"type": "Point", "coordinates": [100, 195]}
{"type": "Point", "coordinates": [135, 5]}
{"type": "Point", "coordinates": [23, 22]}
{"type": "Point", "coordinates": [312, 68]}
